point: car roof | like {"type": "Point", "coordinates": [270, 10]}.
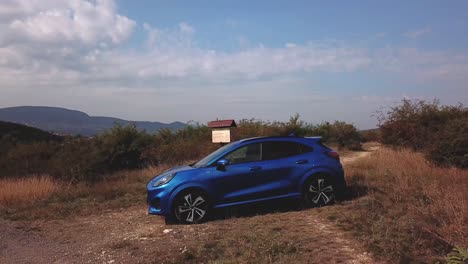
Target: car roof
{"type": "Point", "coordinates": [289, 138]}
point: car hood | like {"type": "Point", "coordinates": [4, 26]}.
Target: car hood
{"type": "Point", "coordinates": [179, 169]}
{"type": "Point", "coordinates": [176, 169]}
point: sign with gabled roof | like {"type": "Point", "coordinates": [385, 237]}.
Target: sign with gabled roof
{"type": "Point", "coordinates": [222, 123]}
{"type": "Point", "coordinates": [221, 130]}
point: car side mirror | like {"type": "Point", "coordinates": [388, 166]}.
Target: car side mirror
{"type": "Point", "coordinates": [221, 164]}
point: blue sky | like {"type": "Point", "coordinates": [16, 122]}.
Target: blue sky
{"type": "Point", "coordinates": [273, 23]}
{"type": "Point", "coordinates": [202, 60]}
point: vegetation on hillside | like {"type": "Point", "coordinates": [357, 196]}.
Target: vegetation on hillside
{"type": "Point", "coordinates": [401, 204]}
{"type": "Point", "coordinates": [12, 134]}
{"type": "Point", "coordinates": [125, 147]}
{"type": "Point", "coordinates": [441, 132]}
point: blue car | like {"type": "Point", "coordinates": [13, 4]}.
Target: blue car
{"type": "Point", "coordinates": [247, 171]}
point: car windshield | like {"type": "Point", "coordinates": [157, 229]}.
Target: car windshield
{"type": "Point", "coordinates": [207, 159]}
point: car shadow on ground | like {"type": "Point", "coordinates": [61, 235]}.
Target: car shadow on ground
{"type": "Point", "coordinates": [260, 208]}
{"type": "Point", "coordinates": [353, 191]}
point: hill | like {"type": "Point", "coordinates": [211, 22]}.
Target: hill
{"type": "Point", "coordinates": [24, 134]}
{"type": "Point", "coordinates": [71, 122]}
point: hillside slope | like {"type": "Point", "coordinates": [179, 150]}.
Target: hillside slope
{"type": "Point", "coordinates": [24, 134]}
{"type": "Point", "coordinates": [72, 122]}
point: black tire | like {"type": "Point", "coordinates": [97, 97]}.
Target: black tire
{"type": "Point", "coordinates": [169, 220]}
{"type": "Point", "coordinates": [319, 191]}
{"type": "Point", "coordinates": [191, 207]}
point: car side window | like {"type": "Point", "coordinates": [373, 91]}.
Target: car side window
{"type": "Point", "coordinates": [248, 153]}
{"type": "Point", "coordinates": [282, 149]}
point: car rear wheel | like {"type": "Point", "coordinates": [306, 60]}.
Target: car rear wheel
{"type": "Point", "coordinates": [319, 191]}
{"type": "Point", "coordinates": [191, 207]}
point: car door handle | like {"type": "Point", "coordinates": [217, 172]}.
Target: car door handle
{"type": "Point", "coordinates": [302, 161]}
{"type": "Point", "coordinates": [255, 168]}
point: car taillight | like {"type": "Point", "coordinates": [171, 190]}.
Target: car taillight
{"type": "Point", "coordinates": [333, 154]}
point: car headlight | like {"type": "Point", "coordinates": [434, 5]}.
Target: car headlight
{"type": "Point", "coordinates": [167, 178]}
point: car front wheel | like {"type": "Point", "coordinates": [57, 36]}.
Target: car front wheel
{"type": "Point", "coordinates": [319, 191]}
{"type": "Point", "coordinates": [191, 207]}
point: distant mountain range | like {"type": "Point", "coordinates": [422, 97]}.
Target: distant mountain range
{"type": "Point", "coordinates": [71, 122]}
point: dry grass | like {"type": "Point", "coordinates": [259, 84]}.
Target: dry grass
{"type": "Point", "coordinates": [402, 207]}
{"type": "Point", "coordinates": [408, 208]}
{"type": "Point", "coordinates": [43, 198]}
{"type": "Point", "coordinates": [17, 191]}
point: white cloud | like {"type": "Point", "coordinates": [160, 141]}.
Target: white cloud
{"type": "Point", "coordinates": [54, 50]}
{"type": "Point", "coordinates": [177, 38]}
{"type": "Point", "coordinates": [74, 22]}
{"type": "Point", "coordinates": [423, 66]}
{"type": "Point", "coordinates": [82, 54]}
{"type": "Point", "coordinates": [71, 41]}
{"type": "Point", "coordinates": [51, 35]}
{"type": "Point", "coordinates": [186, 28]}
{"type": "Point", "coordinates": [418, 33]}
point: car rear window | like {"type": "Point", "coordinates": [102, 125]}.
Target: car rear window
{"type": "Point", "coordinates": [282, 149]}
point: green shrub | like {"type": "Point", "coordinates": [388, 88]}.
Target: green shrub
{"type": "Point", "coordinates": [125, 147]}
{"type": "Point", "coordinates": [122, 147]}
{"type": "Point", "coordinates": [439, 131]}
{"type": "Point", "coordinates": [345, 135]}
{"type": "Point", "coordinates": [451, 145]}
{"type": "Point", "coordinates": [26, 159]}
{"type": "Point", "coordinates": [78, 159]}
{"type": "Point", "coordinates": [370, 135]}
{"type": "Point", "coordinates": [188, 143]}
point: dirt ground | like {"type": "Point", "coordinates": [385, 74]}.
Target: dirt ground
{"type": "Point", "coordinates": [131, 236]}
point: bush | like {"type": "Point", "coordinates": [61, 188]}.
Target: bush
{"type": "Point", "coordinates": [370, 135]}
{"type": "Point", "coordinates": [174, 147]}
{"type": "Point", "coordinates": [122, 147]}
{"type": "Point", "coordinates": [78, 159]}
{"type": "Point", "coordinates": [451, 145]}
{"type": "Point", "coordinates": [24, 159]}
{"type": "Point", "coordinates": [439, 131]}
{"type": "Point", "coordinates": [345, 135]}
{"type": "Point", "coordinates": [125, 147]}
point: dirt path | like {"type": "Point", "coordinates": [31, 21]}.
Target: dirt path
{"type": "Point", "coordinates": [132, 236]}
{"type": "Point", "coordinates": [355, 155]}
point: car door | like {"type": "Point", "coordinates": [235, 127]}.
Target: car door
{"type": "Point", "coordinates": [283, 164]}
{"type": "Point", "coordinates": [237, 181]}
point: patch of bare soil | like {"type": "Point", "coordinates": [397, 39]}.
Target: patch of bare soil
{"type": "Point", "coordinates": [132, 236]}
{"type": "Point", "coordinates": [368, 148]}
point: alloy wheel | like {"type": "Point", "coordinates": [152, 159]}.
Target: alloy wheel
{"type": "Point", "coordinates": [320, 192]}
{"type": "Point", "coordinates": [191, 208]}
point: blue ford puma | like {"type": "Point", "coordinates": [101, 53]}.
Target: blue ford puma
{"type": "Point", "coordinates": [247, 171]}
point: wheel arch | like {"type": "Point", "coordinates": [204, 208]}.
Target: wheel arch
{"type": "Point", "coordinates": [183, 189]}
{"type": "Point", "coordinates": [317, 171]}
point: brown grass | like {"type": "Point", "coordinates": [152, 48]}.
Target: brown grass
{"type": "Point", "coordinates": [408, 208]}
{"type": "Point", "coordinates": [43, 198]}
{"type": "Point", "coordinates": [17, 191]}
{"type": "Point", "coordinates": [402, 207]}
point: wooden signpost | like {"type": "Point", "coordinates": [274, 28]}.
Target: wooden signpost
{"type": "Point", "coordinates": [221, 130]}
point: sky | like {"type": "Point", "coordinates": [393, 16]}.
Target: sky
{"type": "Point", "coordinates": [205, 60]}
